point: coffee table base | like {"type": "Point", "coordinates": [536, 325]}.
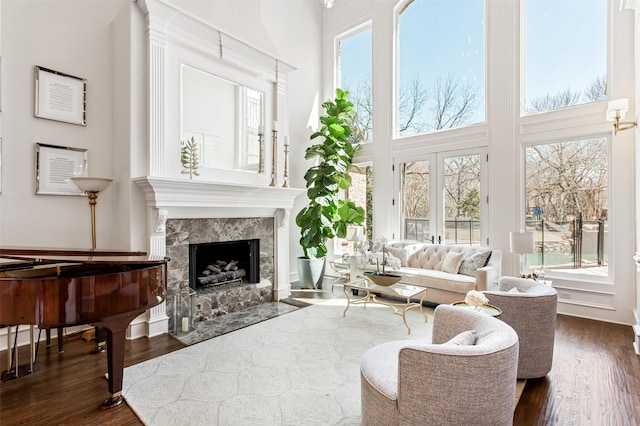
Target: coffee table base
{"type": "Point", "coordinates": [399, 308]}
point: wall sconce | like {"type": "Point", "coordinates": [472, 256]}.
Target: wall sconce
{"type": "Point", "coordinates": [328, 3]}
{"type": "Point", "coordinates": [616, 111]}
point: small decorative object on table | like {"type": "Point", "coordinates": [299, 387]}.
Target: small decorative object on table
{"type": "Point", "coordinates": [476, 299]}
{"type": "Point", "coordinates": [382, 278]}
{"type": "Point", "coordinates": [531, 276]}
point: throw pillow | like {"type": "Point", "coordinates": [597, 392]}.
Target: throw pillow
{"type": "Point", "coordinates": [514, 290]}
{"type": "Point", "coordinates": [451, 262]}
{"type": "Point", "coordinates": [473, 259]}
{"type": "Point", "coordinates": [466, 338]}
{"type": "Point", "coordinates": [400, 253]}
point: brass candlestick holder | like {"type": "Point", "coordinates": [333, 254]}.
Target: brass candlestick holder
{"type": "Point", "coordinates": [274, 155]}
{"type": "Point", "coordinates": [261, 153]}
{"type": "Point", "coordinates": [285, 184]}
{"type": "Point", "coordinates": [92, 186]}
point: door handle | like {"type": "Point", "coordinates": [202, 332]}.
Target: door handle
{"type": "Point", "coordinates": [433, 239]}
{"type": "Point", "coordinates": [439, 239]}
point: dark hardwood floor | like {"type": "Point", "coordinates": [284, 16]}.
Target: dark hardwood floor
{"type": "Point", "coordinates": [595, 380]}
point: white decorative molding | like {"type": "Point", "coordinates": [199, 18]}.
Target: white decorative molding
{"type": "Point", "coordinates": [171, 34]}
{"type": "Point", "coordinates": [630, 4]}
{"type": "Point", "coordinates": [282, 218]}
{"type": "Point", "coordinates": [171, 30]}
{"type": "Point", "coordinates": [168, 194]}
{"type": "Point", "coordinates": [586, 298]}
{"type": "Point", "coordinates": [202, 199]}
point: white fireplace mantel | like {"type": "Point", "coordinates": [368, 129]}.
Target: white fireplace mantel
{"type": "Point", "coordinates": [168, 198]}
{"type": "Point", "coordinates": [191, 195]}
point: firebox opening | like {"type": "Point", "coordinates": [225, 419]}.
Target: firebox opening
{"type": "Point", "coordinates": [224, 262]}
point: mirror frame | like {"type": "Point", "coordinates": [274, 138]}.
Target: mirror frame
{"type": "Point", "coordinates": [176, 37]}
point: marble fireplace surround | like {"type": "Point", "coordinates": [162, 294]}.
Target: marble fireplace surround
{"type": "Point", "coordinates": [177, 207]}
{"type": "Point", "coordinates": [223, 298]}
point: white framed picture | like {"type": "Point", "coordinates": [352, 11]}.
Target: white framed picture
{"type": "Point", "coordinates": [60, 97]}
{"type": "Point", "coordinates": [55, 166]}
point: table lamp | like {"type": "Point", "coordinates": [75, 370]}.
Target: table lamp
{"type": "Point", "coordinates": [521, 243]}
{"type": "Point", "coordinates": [92, 186]}
{"type": "Point", "coordinates": [356, 235]}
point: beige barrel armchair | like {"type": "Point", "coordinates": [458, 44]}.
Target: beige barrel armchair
{"type": "Point", "coordinates": [531, 310]}
{"type": "Point", "coordinates": [465, 376]}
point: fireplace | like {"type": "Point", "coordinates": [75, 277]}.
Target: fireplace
{"type": "Point", "coordinates": [217, 263]}
{"type": "Point", "coordinates": [248, 241]}
{"type": "Point", "coordinates": [183, 212]}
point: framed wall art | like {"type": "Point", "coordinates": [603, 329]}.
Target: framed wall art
{"type": "Point", "coordinates": [55, 166]}
{"type": "Point", "coordinates": [60, 97]}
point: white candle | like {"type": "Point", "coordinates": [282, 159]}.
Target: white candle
{"type": "Point", "coordinates": [261, 129]}
{"type": "Point", "coordinates": [185, 324]}
{"type": "Point", "coordinates": [286, 141]}
{"type": "Point", "coordinates": [274, 125]}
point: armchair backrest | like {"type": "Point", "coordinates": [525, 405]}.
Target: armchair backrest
{"type": "Point", "coordinates": [445, 380]}
{"type": "Point", "coordinates": [531, 311]}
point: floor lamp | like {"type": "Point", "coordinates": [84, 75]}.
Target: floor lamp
{"type": "Point", "coordinates": [521, 242]}
{"type": "Point", "coordinates": [92, 186]}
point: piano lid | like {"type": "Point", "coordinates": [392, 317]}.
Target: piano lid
{"type": "Point", "coordinates": [77, 255]}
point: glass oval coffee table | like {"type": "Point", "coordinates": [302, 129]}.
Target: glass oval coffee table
{"type": "Point", "coordinates": [398, 290]}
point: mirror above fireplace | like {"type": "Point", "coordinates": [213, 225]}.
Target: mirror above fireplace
{"type": "Point", "coordinates": [206, 84]}
{"type": "Point", "coordinates": [224, 118]}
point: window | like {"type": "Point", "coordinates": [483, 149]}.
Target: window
{"type": "Point", "coordinates": [441, 198]}
{"type": "Point", "coordinates": [441, 65]}
{"type": "Point", "coordinates": [360, 192]}
{"type": "Point", "coordinates": [566, 199]}
{"type": "Point", "coordinates": [355, 63]}
{"type": "Point", "coordinates": [573, 37]}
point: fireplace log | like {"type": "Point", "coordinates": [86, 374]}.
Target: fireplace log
{"type": "Point", "coordinates": [222, 277]}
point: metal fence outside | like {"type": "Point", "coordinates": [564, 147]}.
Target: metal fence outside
{"type": "Point", "coordinates": [571, 244]}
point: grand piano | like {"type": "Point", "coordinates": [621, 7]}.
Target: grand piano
{"type": "Point", "coordinates": [54, 288]}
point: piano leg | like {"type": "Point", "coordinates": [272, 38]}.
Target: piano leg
{"type": "Point", "coordinates": [60, 342]}
{"type": "Point", "coordinates": [99, 342]}
{"type": "Point", "coordinates": [115, 328]}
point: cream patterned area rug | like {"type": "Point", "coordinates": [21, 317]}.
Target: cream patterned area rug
{"type": "Point", "coordinates": [300, 368]}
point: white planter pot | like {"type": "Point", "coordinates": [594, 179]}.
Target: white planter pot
{"type": "Point", "coordinates": [311, 272]}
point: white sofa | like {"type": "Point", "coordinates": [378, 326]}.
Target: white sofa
{"type": "Point", "coordinates": [422, 265]}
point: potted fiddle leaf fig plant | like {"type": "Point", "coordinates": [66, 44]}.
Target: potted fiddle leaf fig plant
{"type": "Point", "coordinates": [327, 215]}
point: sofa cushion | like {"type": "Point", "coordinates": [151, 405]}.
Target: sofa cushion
{"type": "Point", "coordinates": [451, 262]}
{"type": "Point", "coordinates": [456, 283]}
{"type": "Point", "coordinates": [466, 338]}
{"type": "Point", "coordinates": [474, 258]}
{"type": "Point", "coordinates": [431, 256]}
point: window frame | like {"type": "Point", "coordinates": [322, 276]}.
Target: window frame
{"type": "Point", "coordinates": [565, 138]}
{"type": "Point", "coordinates": [395, 114]}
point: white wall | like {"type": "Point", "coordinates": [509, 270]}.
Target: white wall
{"type": "Point", "coordinates": [504, 136]}
{"type": "Point", "coordinates": [76, 37]}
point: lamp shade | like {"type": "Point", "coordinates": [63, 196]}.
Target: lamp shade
{"type": "Point", "coordinates": [617, 107]}
{"type": "Point", "coordinates": [521, 242]}
{"type": "Point", "coordinates": [90, 184]}
{"type": "Point", "coordinates": [355, 233]}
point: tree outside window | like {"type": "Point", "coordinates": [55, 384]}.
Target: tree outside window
{"type": "Point", "coordinates": [566, 200]}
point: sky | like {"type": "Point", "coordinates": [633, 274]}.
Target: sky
{"type": "Point", "coordinates": [565, 45]}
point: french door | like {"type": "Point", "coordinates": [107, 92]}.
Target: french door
{"type": "Point", "coordinates": [442, 197]}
